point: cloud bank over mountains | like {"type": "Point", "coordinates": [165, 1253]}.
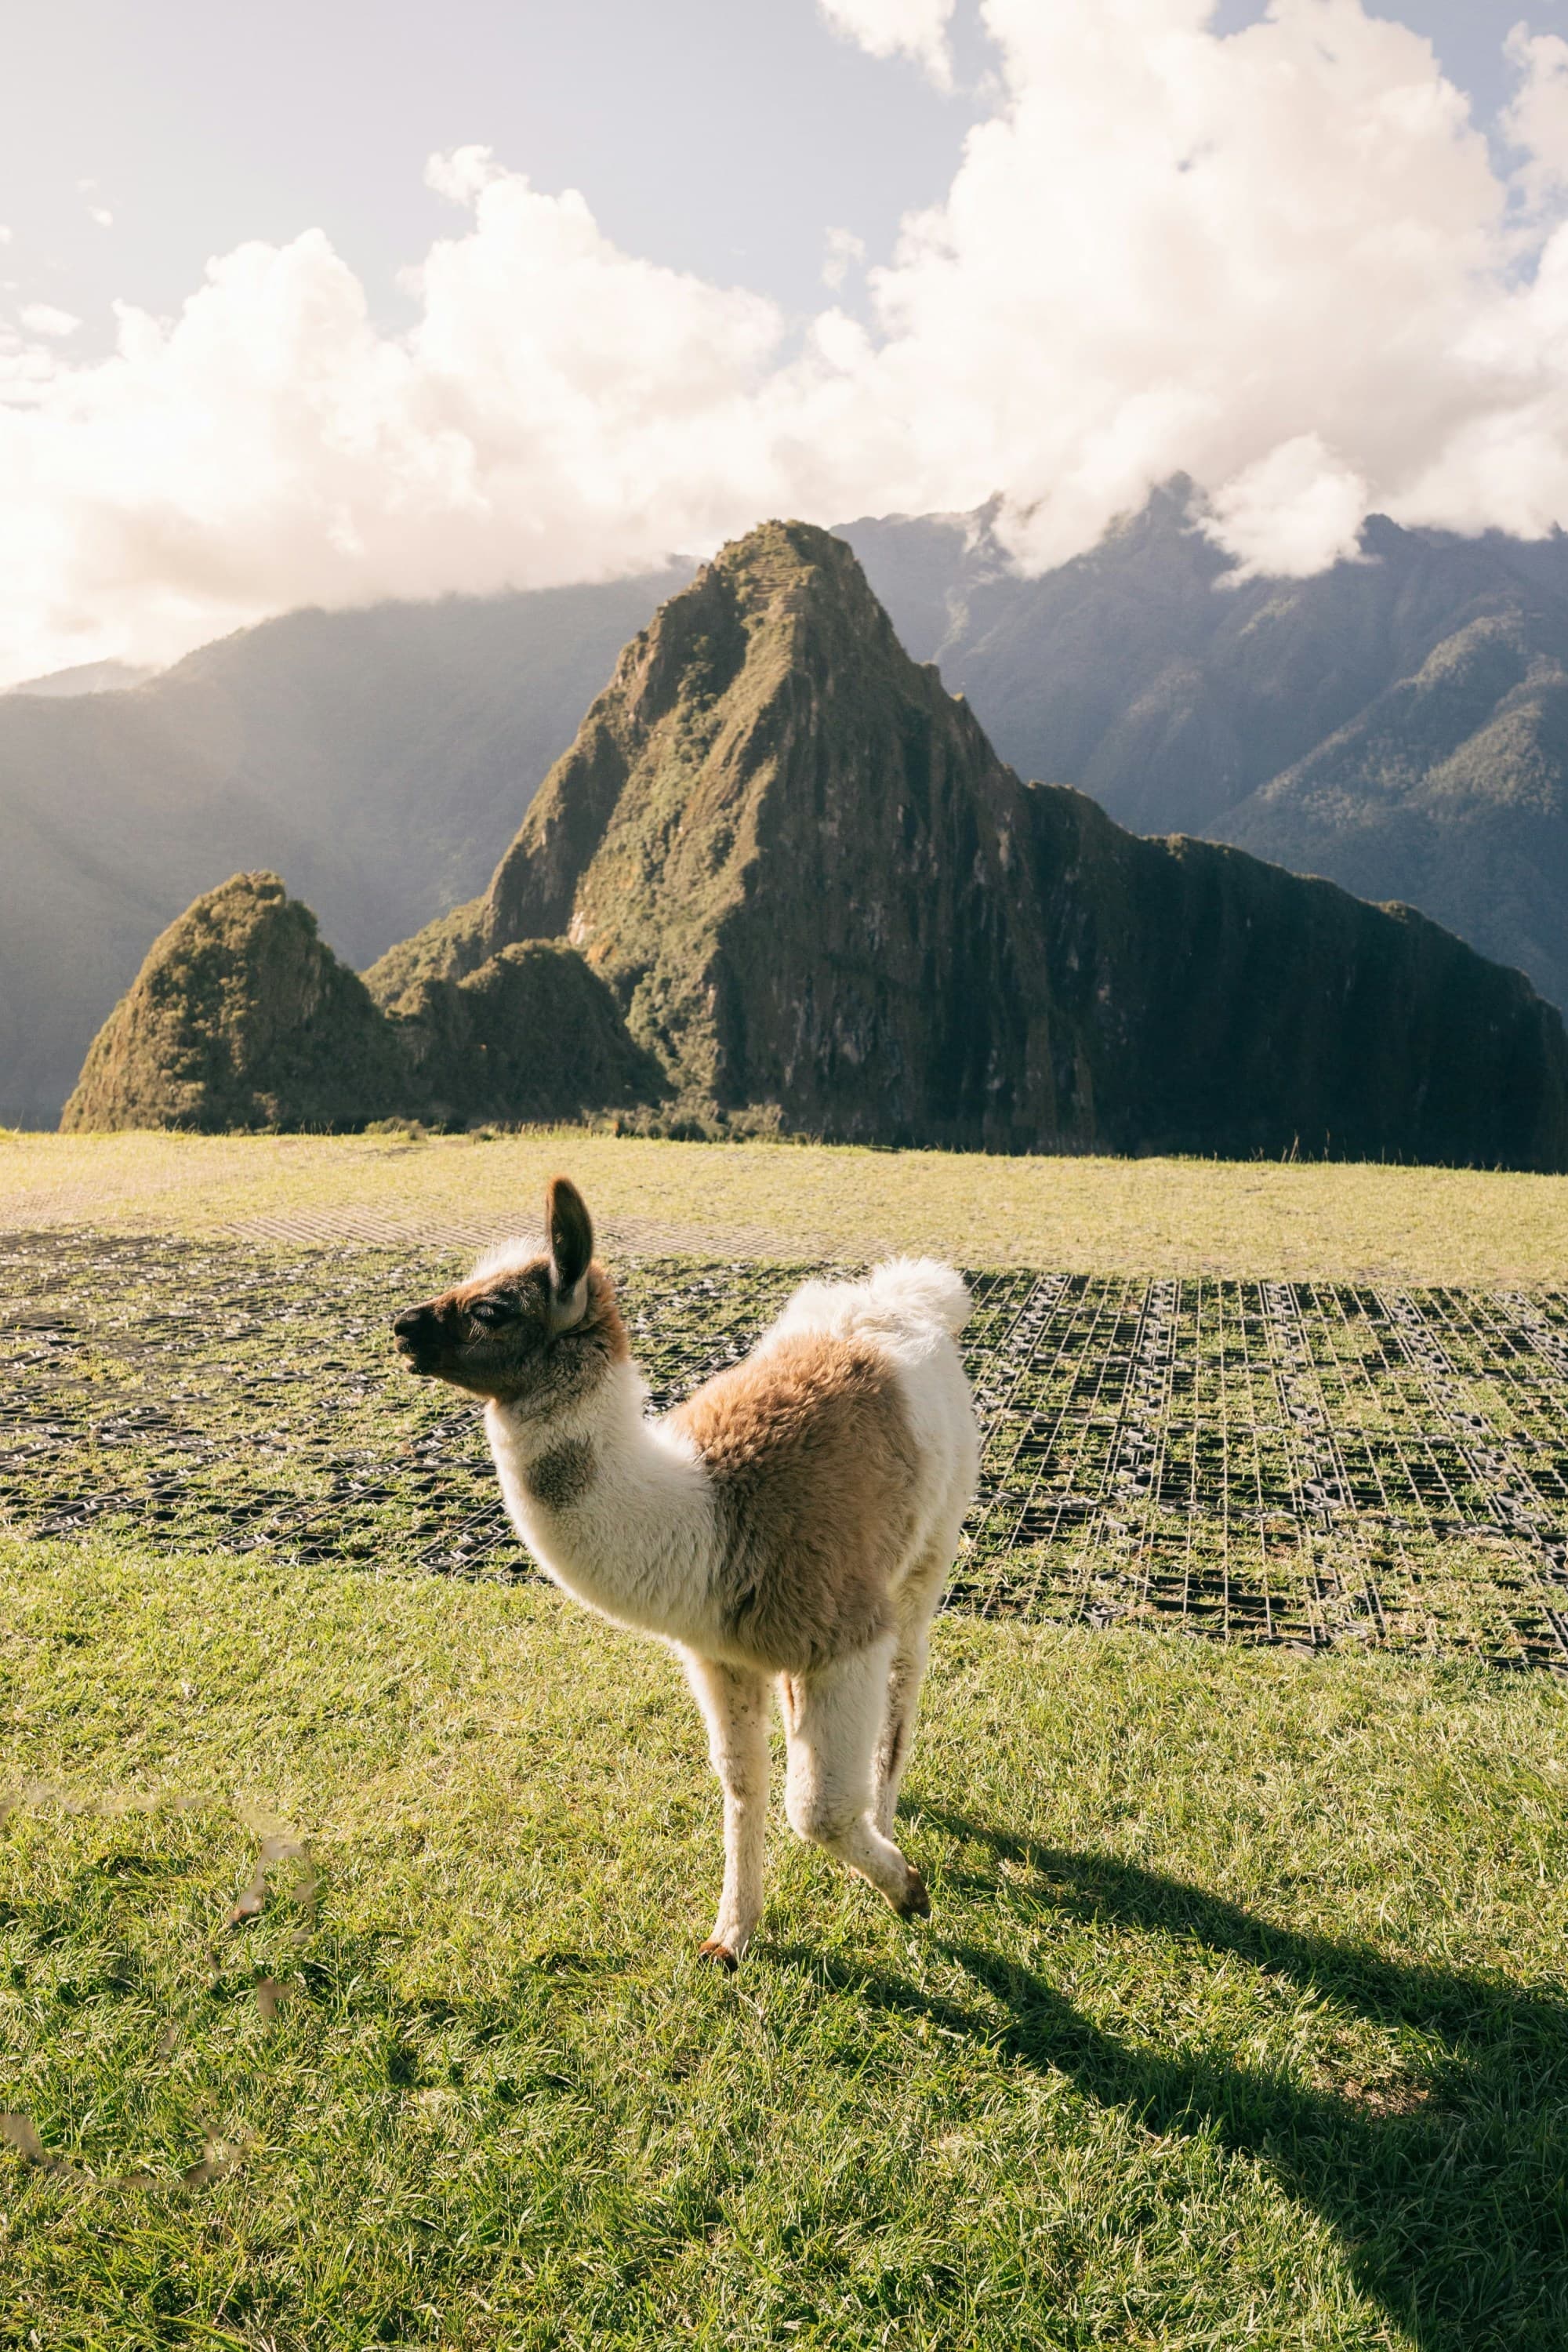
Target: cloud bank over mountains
{"type": "Point", "coordinates": [1283, 260]}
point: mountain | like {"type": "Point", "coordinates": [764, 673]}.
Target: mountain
{"type": "Point", "coordinates": [241, 1017]}
{"type": "Point", "coordinates": [1398, 724]}
{"type": "Point", "coordinates": [532, 1033]}
{"type": "Point", "coordinates": [811, 883]}
{"type": "Point", "coordinates": [378, 758]}
{"type": "Point", "coordinates": [86, 677]}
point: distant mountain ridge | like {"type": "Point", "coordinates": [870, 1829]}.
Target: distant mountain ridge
{"type": "Point", "coordinates": [1398, 724]}
{"type": "Point", "coordinates": [85, 678]}
{"type": "Point", "coordinates": [380, 759]}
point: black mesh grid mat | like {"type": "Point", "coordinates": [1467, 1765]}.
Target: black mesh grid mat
{"type": "Point", "coordinates": [1307, 1462]}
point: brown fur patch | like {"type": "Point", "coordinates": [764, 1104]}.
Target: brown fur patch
{"type": "Point", "coordinates": [517, 1357]}
{"type": "Point", "coordinates": [563, 1476]}
{"type": "Point", "coordinates": [813, 1464]}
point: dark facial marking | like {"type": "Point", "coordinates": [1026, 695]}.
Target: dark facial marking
{"type": "Point", "coordinates": [495, 1309]}
{"type": "Point", "coordinates": [563, 1476]}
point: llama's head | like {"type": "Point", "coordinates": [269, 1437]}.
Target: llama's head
{"type": "Point", "coordinates": [537, 1333]}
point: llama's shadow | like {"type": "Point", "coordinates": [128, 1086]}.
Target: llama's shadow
{"type": "Point", "coordinates": [1450, 2194]}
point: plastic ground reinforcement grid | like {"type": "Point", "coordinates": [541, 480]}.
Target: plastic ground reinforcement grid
{"type": "Point", "coordinates": [1307, 1463]}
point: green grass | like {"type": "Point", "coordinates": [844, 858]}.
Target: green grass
{"type": "Point", "coordinates": [780, 1200]}
{"type": "Point", "coordinates": [1240, 2020]}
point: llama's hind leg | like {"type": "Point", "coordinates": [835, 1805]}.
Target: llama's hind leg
{"type": "Point", "coordinates": [916, 1603]}
{"type": "Point", "coordinates": [735, 1705]}
{"type": "Point", "coordinates": [833, 1717]}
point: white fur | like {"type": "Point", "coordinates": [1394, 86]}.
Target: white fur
{"type": "Point", "coordinates": [505, 1258]}
{"type": "Point", "coordinates": [643, 1547]}
{"type": "Point", "coordinates": [908, 1304]}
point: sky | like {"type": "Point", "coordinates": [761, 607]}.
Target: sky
{"type": "Point", "coordinates": [322, 304]}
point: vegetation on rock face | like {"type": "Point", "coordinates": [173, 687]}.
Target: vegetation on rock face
{"type": "Point", "coordinates": [810, 881]}
{"type": "Point", "coordinates": [241, 1017]}
{"type": "Point", "coordinates": [532, 1034]}
{"type": "Point", "coordinates": [442, 951]}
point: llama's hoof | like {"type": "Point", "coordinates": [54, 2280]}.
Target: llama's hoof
{"type": "Point", "coordinates": [720, 1955]}
{"type": "Point", "coordinates": [916, 1902]}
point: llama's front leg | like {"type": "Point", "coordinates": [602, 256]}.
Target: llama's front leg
{"type": "Point", "coordinates": [833, 1717]}
{"type": "Point", "coordinates": [735, 1705]}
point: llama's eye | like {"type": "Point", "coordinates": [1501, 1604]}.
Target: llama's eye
{"type": "Point", "coordinates": [491, 1311]}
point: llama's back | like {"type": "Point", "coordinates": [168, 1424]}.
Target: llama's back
{"type": "Point", "coordinates": [841, 1456]}
{"type": "Point", "coordinates": [910, 1310]}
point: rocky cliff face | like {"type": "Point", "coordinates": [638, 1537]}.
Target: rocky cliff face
{"type": "Point", "coordinates": [786, 850]}
{"type": "Point", "coordinates": [809, 881]}
{"type": "Point", "coordinates": [1218, 1004]}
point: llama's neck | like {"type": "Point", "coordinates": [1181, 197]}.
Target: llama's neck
{"type": "Point", "coordinates": [616, 1508]}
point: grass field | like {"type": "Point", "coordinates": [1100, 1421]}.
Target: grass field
{"type": "Point", "coordinates": [1242, 2019]}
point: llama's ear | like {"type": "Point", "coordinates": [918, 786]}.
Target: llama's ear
{"type": "Point", "coordinates": [571, 1232]}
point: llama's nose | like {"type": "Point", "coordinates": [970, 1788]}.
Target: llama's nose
{"type": "Point", "coordinates": [412, 1322]}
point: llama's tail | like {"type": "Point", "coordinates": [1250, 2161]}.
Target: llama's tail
{"type": "Point", "coordinates": [921, 1294]}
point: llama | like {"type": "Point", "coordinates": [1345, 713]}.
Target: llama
{"type": "Point", "coordinates": [792, 1522]}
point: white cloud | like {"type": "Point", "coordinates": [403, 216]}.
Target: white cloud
{"type": "Point", "coordinates": [95, 211]}
{"type": "Point", "coordinates": [1537, 121]}
{"type": "Point", "coordinates": [888, 28]}
{"type": "Point", "coordinates": [845, 251]}
{"type": "Point", "coordinates": [4, 235]}
{"type": "Point", "coordinates": [43, 319]}
{"type": "Point", "coordinates": [1281, 261]}
{"type": "Point", "coordinates": [1289, 514]}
